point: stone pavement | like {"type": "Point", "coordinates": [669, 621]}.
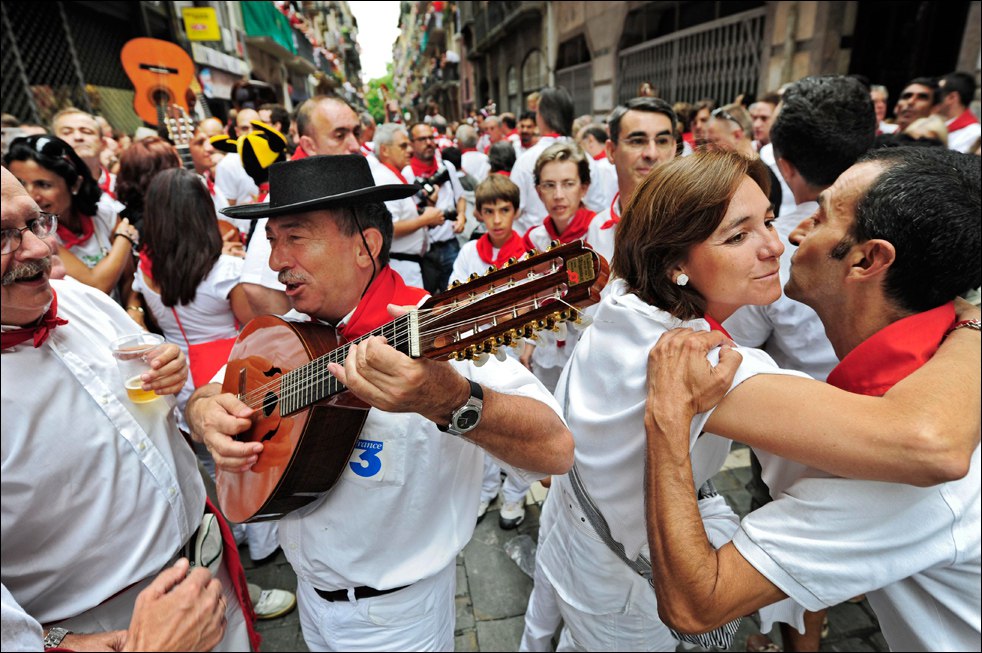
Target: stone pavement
{"type": "Point", "coordinates": [492, 591]}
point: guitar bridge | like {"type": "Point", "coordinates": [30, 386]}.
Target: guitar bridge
{"type": "Point", "coordinates": [413, 334]}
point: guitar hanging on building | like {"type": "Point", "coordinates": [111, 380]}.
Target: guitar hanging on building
{"type": "Point", "coordinates": [161, 73]}
{"type": "Point", "coordinates": [307, 420]}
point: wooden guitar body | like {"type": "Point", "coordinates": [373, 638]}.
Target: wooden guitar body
{"type": "Point", "coordinates": [161, 73]}
{"type": "Point", "coordinates": [304, 452]}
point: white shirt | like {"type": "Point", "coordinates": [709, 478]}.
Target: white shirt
{"type": "Point", "coordinates": [533, 211]}
{"type": "Point", "coordinates": [448, 194]}
{"type": "Point", "coordinates": [19, 631]}
{"type": "Point", "coordinates": [787, 197]}
{"type": "Point", "coordinates": [603, 390]}
{"type": "Point", "coordinates": [788, 330]}
{"type": "Point", "coordinates": [98, 245]}
{"type": "Point", "coordinates": [602, 240]}
{"type": "Point", "coordinates": [256, 268]}
{"type": "Point", "coordinates": [207, 318]}
{"type": "Point", "coordinates": [404, 209]}
{"type": "Point", "coordinates": [607, 180]}
{"type": "Point", "coordinates": [234, 181]}
{"type": "Point", "coordinates": [410, 510]}
{"type": "Point", "coordinates": [914, 552]}
{"type": "Point", "coordinates": [98, 492]}
{"type": "Point", "coordinates": [476, 165]}
{"type": "Point", "coordinates": [962, 139]}
{"type": "Point", "coordinates": [887, 128]}
{"type": "Point", "coordinates": [469, 261]}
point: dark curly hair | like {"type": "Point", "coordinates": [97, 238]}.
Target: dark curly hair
{"type": "Point", "coordinates": [54, 154]}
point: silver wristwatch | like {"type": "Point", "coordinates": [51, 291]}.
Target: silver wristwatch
{"type": "Point", "coordinates": [467, 417]}
{"type": "Point", "coordinates": [54, 637]}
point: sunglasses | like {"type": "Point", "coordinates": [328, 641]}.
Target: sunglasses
{"type": "Point", "coordinates": [54, 147]}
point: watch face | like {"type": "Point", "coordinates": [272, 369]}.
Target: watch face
{"type": "Point", "coordinates": [467, 419]}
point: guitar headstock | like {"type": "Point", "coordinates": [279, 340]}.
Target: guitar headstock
{"type": "Point", "coordinates": [180, 126]}
{"type": "Point", "coordinates": [504, 306]}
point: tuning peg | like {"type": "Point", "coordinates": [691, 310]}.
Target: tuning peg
{"type": "Point", "coordinates": [481, 359]}
{"type": "Point", "coordinates": [474, 275]}
{"type": "Point", "coordinates": [532, 252]}
{"type": "Point", "coordinates": [511, 261]}
{"type": "Point", "coordinates": [554, 244]}
{"type": "Point", "coordinates": [491, 269]}
{"type": "Point", "coordinates": [582, 321]}
{"type": "Point", "coordinates": [501, 355]}
{"type": "Point", "coordinates": [455, 283]}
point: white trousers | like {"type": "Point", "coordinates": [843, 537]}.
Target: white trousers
{"type": "Point", "coordinates": [513, 490]}
{"type": "Point", "coordinates": [417, 618]}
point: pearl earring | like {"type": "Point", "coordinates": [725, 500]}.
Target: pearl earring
{"type": "Point", "coordinates": [682, 279]}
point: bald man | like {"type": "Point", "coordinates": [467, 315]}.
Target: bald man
{"type": "Point", "coordinates": [230, 177]}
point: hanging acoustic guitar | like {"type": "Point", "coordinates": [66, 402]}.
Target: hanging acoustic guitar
{"type": "Point", "coordinates": [161, 73]}
{"type": "Point", "coordinates": [309, 423]}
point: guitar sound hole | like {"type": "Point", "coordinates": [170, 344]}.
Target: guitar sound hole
{"type": "Point", "coordinates": [269, 403]}
{"type": "Point", "coordinates": [161, 96]}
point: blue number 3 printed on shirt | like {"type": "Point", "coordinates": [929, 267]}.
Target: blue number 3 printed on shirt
{"type": "Point", "coordinates": [371, 464]}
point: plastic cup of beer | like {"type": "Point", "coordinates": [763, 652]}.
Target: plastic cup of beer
{"type": "Point", "coordinates": [133, 355]}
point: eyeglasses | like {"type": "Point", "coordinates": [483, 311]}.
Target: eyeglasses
{"type": "Point", "coordinates": [42, 227]}
{"type": "Point", "coordinates": [724, 114]}
{"type": "Point", "coordinates": [662, 142]}
{"type": "Point", "coordinates": [567, 186]}
{"type": "Point", "coordinates": [52, 147]}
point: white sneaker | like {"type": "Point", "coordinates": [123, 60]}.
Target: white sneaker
{"type": "Point", "coordinates": [482, 510]}
{"type": "Point", "coordinates": [512, 514]}
{"type": "Point", "coordinates": [274, 603]}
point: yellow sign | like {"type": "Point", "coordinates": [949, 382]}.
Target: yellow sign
{"type": "Point", "coordinates": [201, 24]}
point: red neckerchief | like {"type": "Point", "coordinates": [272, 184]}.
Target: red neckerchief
{"type": "Point", "coordinates": [550, 135]}
{"type": "Point", "coordinates": [506, 173]}
{"type": "Point", "coordinates": [614, 216]}
{"type": "Point", "coordinates": [146, 265]}
{"type": "Point", "coordinates": [109, 180]}
{"type": "Point", "coordinates": [576, 228]}
{"type": "Point", "coordinates": [961, 122]}
{"type": "Point", "coordinates": [263, 192]}
{"type": "Point", "coordinates": [298, 154]}
{"type": "Point", "coordinates": [365, 150]}
{"type": "Point", "coordinates": [893, 352]}
{"type": "Point", "coordinates": [600, 157]}
{"type": "Point", "coordinates": [716, 326]}
{"type": "Point", "coordinates": [514, 247]}
{"type": "Point", "coordinates": [70, 239]}
{"type": "Point", "coordinates": [422, 168]}
{"type": "Point", "coordinates": [371, 313]}
{"type": "Point", "coordinates": [393, 169]}
{"type": "Point", "coordinates": [39, 332]}
{"type": "Point", "coordinates": [209, 183]}
{"type": "Point", "coordinates": [465, 150]}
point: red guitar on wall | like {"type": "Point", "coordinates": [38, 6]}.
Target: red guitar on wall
{"type": "Point", "coordinates": [161, 73]}
{"type": "Point", "coordinates": [307, 420]}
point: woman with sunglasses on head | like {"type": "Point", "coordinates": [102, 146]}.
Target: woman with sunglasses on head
{"type": "Point", "coordinates": [93, 243]}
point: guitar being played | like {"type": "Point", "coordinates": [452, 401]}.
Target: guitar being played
{"type": "Point", "coordinates": [407, 499]}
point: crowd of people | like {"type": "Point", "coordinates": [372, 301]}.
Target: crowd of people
{"type": "Point", "coordinates": [857, 387]}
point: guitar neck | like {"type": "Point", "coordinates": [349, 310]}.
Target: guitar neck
{"type": "Point", "coordinates": [312, 382]}
{"type": "Point", "coordinates": [184, 150]}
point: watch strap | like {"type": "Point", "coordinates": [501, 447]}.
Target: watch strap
{"type": "Point", "coordinates": [476, 397]}
{"type": "Point", "coordinates": [54, 637]}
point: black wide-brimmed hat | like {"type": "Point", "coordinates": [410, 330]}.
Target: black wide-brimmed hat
{"type": "Point", "coordinates": [320, 182]}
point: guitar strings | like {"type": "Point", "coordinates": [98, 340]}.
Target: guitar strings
{"type": "Point", "coordinates": [316, 370]}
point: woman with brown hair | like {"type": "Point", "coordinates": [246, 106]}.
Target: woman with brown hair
{"type": "Point", "coordinates": [696, 242]}
{"type": "Point", "coordinates": [93, 243]}
{"type": "Point", "coordinates": [138, 165]}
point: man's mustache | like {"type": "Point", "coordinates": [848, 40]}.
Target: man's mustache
{"type": "Point", "coordinates": [287, 277]}
{"type": "Point", "coordinates": [26, 271]}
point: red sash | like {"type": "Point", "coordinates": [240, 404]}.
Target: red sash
{"type": "Point", "coordinates": [514, 247]}
{"type": "Point", "coordinates": [230, 553]}
{"type": "Point", "coordinates": [70, 239]}
{"type": "Point", "coordinates": [614, 216]}
{"type": "Point", "coordinates": [109, 180]}
{"type": "Point", "coordinates": [397, 173]}
{"type": "Point", "coordinates": [39, 332]}
{"type": "Point", "coordinates": [422, 168]}
{"type": "Point", "coordinates": [893, 352]}
{"type": "Point", "coordinates": [961, 122]}
{"type": "Point", "coordinates": [371, 313]}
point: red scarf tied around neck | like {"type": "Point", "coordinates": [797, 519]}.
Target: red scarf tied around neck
{"type": "Point", "coordinates": [70, 239]}
{"type": "Point", "coordinates": [39, 332]}
{"type": "Point", "coordinates": [575, 230]}
{"type": "Point", "coordinates": [514, 247]}
{"type": "Point", "coordinates": [371, 313]}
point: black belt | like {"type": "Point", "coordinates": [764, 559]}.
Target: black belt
{"type": "Point", "coordinates": [415, 258]}
{"type": "Point", "coordinates": [441, 243]}
{"type": "Point", "coordinates": [360, 593]}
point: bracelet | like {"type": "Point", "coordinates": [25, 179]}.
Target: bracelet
{"type": "Point", "coordinates": [132, 242]}
{"type": "Point", "coordinates": [138, 309]}
{"type": "Point", "coordinates": [975, 325]}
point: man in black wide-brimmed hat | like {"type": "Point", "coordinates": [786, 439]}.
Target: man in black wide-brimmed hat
{"type": "Point", "coordinates": [375, 557]}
